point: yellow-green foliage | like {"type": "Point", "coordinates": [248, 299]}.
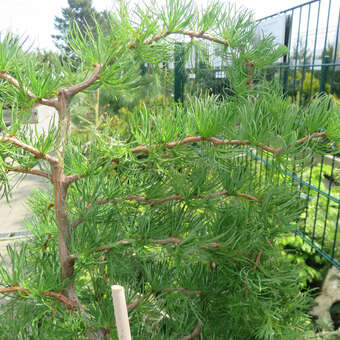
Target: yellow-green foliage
{"type": "Point", "coordinates": [304, 256]}
{"type": "Point", "coordinates": [310, 85]}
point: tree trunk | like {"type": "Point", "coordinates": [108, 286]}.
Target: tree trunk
{"type": "Point", "coordinates": [60, 193]}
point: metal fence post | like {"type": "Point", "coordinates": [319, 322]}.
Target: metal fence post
{"type": "Point", "coordinates": [285, 81]}
{"type": "Point", "coordinates": [179, 72]}
{"type": "Point", "coordinates": [324, 72]}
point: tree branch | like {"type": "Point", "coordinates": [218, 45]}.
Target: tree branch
{"type": "Point", "coordinates": [135, 303]}
{"type": "Point", "coordinates": [73, 178]}
{"type": "Point", "coordinates": [191, 34]}
{"type": "Point", "coordinates": [29, 148]}
{"type": "Point", "coordinates": [181, 198]}
{"type": "Point", "coordinates": [73, 90]}
{"type": "Point", "coordinates": [70, 304]}
{"type": "Point", "coordinates": [69, 91]}
{"type": "Point", "coordinates": [13, 289]}
{"type": "Point", "coordinates": [165, 241]}
{"type": "Point", "coordinates": [4, 75]}
{"type": "Point", "coordinates": [53, 102]}
{"type": "Point", "coordinates": [177, 197]}
{"type": "Point", "coordinates": [44, 101]}
{"type": "Point", "coordinates": [184, 290]}
{"type": "Point", "coordinates": [250, 81]}
{"type": "Point", "coordinates": [27, 171]}
{"type": "Point", "coordinates": [217, 142]}
{"type": "Point", "coordinates": [304, 139]}
{"type": "Point", "coordinates": [196, 332]}
{"type": "Point", "coordinates": [259, 254]}
{"type": "Point", "coordinates": [258, 258]}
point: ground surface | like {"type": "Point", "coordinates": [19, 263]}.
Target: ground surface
{"type": "Point", "coordinates": [13, 215]}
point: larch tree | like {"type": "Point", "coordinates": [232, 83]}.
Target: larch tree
{"type": "Point", "coordinates": [174, 212]}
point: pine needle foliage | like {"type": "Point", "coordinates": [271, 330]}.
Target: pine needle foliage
{"type": "Point", "coordinates": [173, 211]}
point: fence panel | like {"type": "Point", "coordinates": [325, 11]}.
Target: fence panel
{"type": "Point", "coordinates": [311, 32]}
{"type": "Point", "coordinates": [312, 66]}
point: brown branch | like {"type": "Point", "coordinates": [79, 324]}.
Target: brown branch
{"type": "Point", "coordinates": [135, 303]}
{"type": "Point", "coordinates": [29, 148]}
{"type": "Point", "coordinates": [245, 289]}
{"type": "Point", "coordinates": [248, 197]}
{"type": "Point", "coordinates": [181, 198]}
{"type": "Point", "coordinates": [184, 290]}
{"type": "Point", "coordinates": [54, 102]}
{"type": "Point", "coordinates": [70, 304]}
{"type": "Point", "coordinates": [131, 240]}
{"type": "Point", "coordinates": [259, 254]}
{"type": "Point", "coordinates": [258, 258]}
{"type": "Point", "coordinates": [191, 34]}
{"type": "Point", "coordinates": [196, 332]}
{"type": "Point", "coordinates": [145, 200]}
{"type": "Point", "coordinates": [73, 178]}
{"type": "Point", "coordinates": [211, 245]}
{"type": "Point", "coordinates": [188, 140]}
{"type": "Point", "coordinates": [314, 135]}
{"type": "Point", "coordinates": [73, 90]}
{"type": "Point", "coordinates": [4, 75]}
{"type": "Point", "coordinates": [217, 142]}
{"type": "Point", "coordinates": [109, 247]}
{"type": "Point", "coordinates": [165, 241]}
{"type": "Point", "coordinates": [28, 171]}
{"type": "Point", "coordinates": [132, 305]}
{"type": "Point", "coordinates": [44, 101]}
{"type": "Point", "coordinates": [80, 219]}
{"type": "Point", "coordinates": [305, 139]}
{"type": "Point", "coordinates": [163, 200]}
{"type": "Point", "coordinates": [205, 36]}
{"type": "Point", "coordinates": [154, 39]}
{"type": "Point", "coordinates": [178, 198]}
{"type": "Point", "coordinates": [13, 289]}
{"type": "Point", "coordinates": [250, 81]}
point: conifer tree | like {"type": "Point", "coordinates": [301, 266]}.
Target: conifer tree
{"type": "Point", "coordinates": [81, 12]}
{"type": "Point", "coordinates": [173, 212]}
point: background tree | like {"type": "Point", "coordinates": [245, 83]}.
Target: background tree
{"type": "Point", "coordinates": [80, 12]}
{"type": "Point", "coordinates": [333, 75]}
{"type": "Point", "coordinates": [172, 212]}
{"type": "Point", "coordinates": [328, 52]}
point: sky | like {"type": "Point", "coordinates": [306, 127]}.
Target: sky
{"type": "Point", "coordinates": [35, 18]}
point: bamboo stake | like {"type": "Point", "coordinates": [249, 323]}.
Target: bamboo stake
{"type": "Point", "coordinates": [121, 314]}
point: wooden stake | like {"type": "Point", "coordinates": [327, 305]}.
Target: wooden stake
{"type": "Point", "coordinates": [121, 314]}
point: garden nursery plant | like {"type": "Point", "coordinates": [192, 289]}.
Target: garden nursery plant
{"type": "Point", "coordinates": [171, 211]}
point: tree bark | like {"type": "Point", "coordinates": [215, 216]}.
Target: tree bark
{"type": "Point", "coordinates": [60, 193]}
